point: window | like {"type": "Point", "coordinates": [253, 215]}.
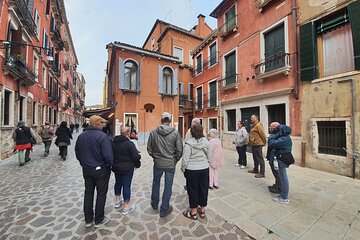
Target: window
{"type": "Point", "coordinates": [332, 137]}
{"type": "Point", "coordinates": [336, 40]}
{"type": "Point", "coordinates": [246, 115]}
{"type": "Point", "coordinates": [8, 107]}
{"type": "Point", "coordinates": [190, 59]}
{"type": "Point", "coordinates": [45, 39]}
{"type": "Point", "coordinates": [50, 116]}
{"type": "Point", "coordinates": [213, 55]}
{"type": "Point", "coordinates": [212, 94]}
{"type": "Point", "coordinates": [276, 113]}
{"type": "Point", "coordinates": [55, 116]}
{"type": "Point", "coordinates": [274, 48]}
{"type": "Point", "coordinates": [35, 113]}
{"type": "Point", "coordinates": [50, 85]}
{"type": "Point", "coordinates": [230, 19]}
{"type": "Point", "coordinates": [36, 67]}
{"type": "Point", "coordinates": [182, 96]}
{"type": "Point", "coordinates": [230, 68]}
{"type": "Point", "coordinates": [22, 108]}
{"type": "Point", "coordinates": [199, 64]}
{"type": "Point", "coordinates": [47, 11]}
{"type": "Point", "coordinates": [167, 80]}
{"type": "Point", "coordinates": [44, 76]}
{"type": "Point", "coordinates": [212, 123]}
{"type": "Point", "coordinates": [37, 23]}
{"type": "Point", "coordinates": [199, 98]}
{"type": "Point", "coordinates": [191, 88]}
{"type": "Point", "coordinates": [130, 120]}
{"type": "Point", "coordinates": [231, 119]}
{"type": "Point", "coordinates": [43, 111]}
{"type": "Point", "coordinates": [131, 71]}
{"type": "Point", "coordinates": [178, 52]}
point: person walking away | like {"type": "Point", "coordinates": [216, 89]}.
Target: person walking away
{"type": "Point", "coordinates": [77, 127]}
{"type": "Point", "coordinates": [72, 127]}
{"type": "Point", "coordinates": [165, 147]}
{"type": "Point", "coordinates": [241, 141]}
{"type": "Point", "coordinates": [63, 139]}
{"type": "Point", "coordinates": [46, 133]}
{"type": "Point", "coordinates": [257, 140]}
{"type": "Point", "coordinates": [195, 165]}
{"type": "Point", "coordinates": [126, 158]}
{"type": "Point", "coordinates": [276, 187]}
{"type": "Point", "coordinates": [281, 143]}
{"type": "Point", "coordinates": [94, 151]}
{"type": "Point", "coordinates": [22, 137]}
{"type": "Point", "coordinates": [217, 158]}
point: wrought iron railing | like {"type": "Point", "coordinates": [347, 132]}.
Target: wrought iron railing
{"type": "Point", "coordinates": [210, 99]}
{"type": "Point", "coordinates": [182, 99]}
{"type": "Point", "coordinates": [230, 81]}
{"type": "Point", "coordinates": [56, 38]}
{"type": "Point", "coordinates": [18, 68]}
{"type": "Point", "coordinates": [272, 63]}
{"type": "Point", "coordinates": [26, 16]}
{"type": "Point", "coordinates": [228, 26]}
{"type": "Point", "coordinates": [210, 61]}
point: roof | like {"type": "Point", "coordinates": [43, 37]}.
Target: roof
{"type": "Point", "coordinates": [204, 42]}
{"type": "Point", "coordinates": [144, 51]}
{"type": "Point", "coordinates": [169, 26]}
{"type": "Point", "coordinates": [214, 12]}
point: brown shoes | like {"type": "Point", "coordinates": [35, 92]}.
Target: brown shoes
{"type": "Point", "coordinates": [259, 175]}
{"type": "Point", "coordinates": [253, 171]}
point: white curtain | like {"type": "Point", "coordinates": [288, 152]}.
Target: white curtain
{"type": "Point", "coordinates": [338, 52]}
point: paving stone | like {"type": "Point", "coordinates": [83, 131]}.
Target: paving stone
{"type": "Point", "coordinates": [26, 220]}
{"type": "Point", "coordinates": [129, 235]}
{"type": "Point", "coordinates": [93, 236]}
{"type": "Point", "coordinates": [136, 226]}
{"type": "Point", "coordinates": [200, 231]}
{"type": "Point", "coordinates": [120, 230]}
{"type": "Point", "coordinates": [49, 236]}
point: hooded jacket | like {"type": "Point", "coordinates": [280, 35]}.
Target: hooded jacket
{"type": "Point", "coordinates": [279, 142]}
{"type": "Point", "coordinates": [197, 154]}
{"type": "Point", "coordinates": [125, 154]}
{"type": "Point", "coordinates": [165, 146]}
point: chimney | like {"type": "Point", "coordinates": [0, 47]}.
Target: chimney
{"type": "Point", "coordinates": [200, 29]}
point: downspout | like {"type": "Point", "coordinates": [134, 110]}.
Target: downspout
{"type": "Point", "coordinates": [353, 107]}
{"type": "Point", "coordinates": [295, 48]}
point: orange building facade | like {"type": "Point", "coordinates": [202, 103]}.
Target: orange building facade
{"type": "Point", "coordinates": [38, 79]}
{"type": "Point", "coordinates": [159, 75]}
{"type": "Point", "coordinates": [258, 66]}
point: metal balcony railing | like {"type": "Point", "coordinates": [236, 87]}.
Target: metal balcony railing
{"type": "Point", "coordinates": [228, 27]}
{"type": "Point", "coordinates": [57, 40]}
{"type": "Point", "coordinates": [210, 61]}
{"type": "Point", "coordinates": [19, 70]}
{"type": "Point", "coordinates": [25, 16]}
{"type": "Point", "coordinates": [229, 82]}
{"type": "Point", "coordinates": [277, 63]}
{"type": "Point", "coordinates": [210, 99]}
{"type": "Point", "coordinates": [66, 65]}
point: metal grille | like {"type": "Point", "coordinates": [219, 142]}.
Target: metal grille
{"type": "Point", "coordinates": [332, 137]}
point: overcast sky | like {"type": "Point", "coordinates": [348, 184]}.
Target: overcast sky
{"type": "Point", "coordinates": [95, 23]}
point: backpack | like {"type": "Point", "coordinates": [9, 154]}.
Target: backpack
{"type": "Point", "coordinates": [46, 133]}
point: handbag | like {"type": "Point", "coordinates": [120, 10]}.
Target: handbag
{"type": "Point", "coordinates": [32, 141]}
{"type": "Point", "coordinates": [137, 164]}
{"type": "Point", "coordinates": [286, 158]}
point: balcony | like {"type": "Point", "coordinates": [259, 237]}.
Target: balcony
{"type": "Point", "coordinates": [273, 65]}
{"type": "Point", "coordinates": [210, 100]}
{"type": "Point", "coordinates": [66, 45]}
{"type": "Point", "coordinates": [16, 67]}
{"type": "Point", "coordinates": [55, 69]}
{"type": "Point", "coordinates": [54, 99]}
{"type": "Point", "coordinates": [57, 40]}
{"type": "Point", "coordinates": [260, 4]}
{"type": "Point", "coordinates": [65, 86]}
{"type": "Point", "coordinates": [229, 82]}
{"type": "Point", "coordinates": [65, 106]}
{"type": "Point", "coordinates": [210, 61]}
{"type": "Point", "coordinates": [182, 100]}
{"type": "Point", "coordinates": [66, 65]}
{"type": "Point", "coordinates": [228, 27]}
{"type": "Point", "coordinates": [25, 16]}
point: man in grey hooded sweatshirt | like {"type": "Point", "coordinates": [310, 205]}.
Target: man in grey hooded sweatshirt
{"type": "Point", "coordinates": [165, 147]}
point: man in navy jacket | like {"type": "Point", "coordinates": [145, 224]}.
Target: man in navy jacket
{"type": "Point", "coordinates": [94, 152]}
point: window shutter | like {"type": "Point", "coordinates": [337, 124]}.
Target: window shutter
{"type": "Point", "coordinates": [138, 78]}
{"type": "Point", "coordinates": [175, 85]}
{"type": "Point", "coordinates": [160, 79]}
{"type": "Point", "coordinates": [354, 14]}
{"type": "Point", "coordinates": [121, 74]}
{"type": "Point", "coordinates": [307, 52]}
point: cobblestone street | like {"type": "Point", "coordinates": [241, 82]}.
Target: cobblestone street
{"type": "Point", "coordinates": [44, 199]}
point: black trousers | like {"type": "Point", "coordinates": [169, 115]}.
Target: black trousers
{"type": "Point", "coordinates": [242, 155]}
{"type": "Point", "coordinates": [197, 183]}
{"type": "Point", "coordinates": [99, 179]}
{"type": "Point", "coordinates": [63, 151]}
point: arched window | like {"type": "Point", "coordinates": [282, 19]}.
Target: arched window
{"type": "Point", "coordinates": [131, 69]}
{"type": "Point", "coordinates": [167, 80]}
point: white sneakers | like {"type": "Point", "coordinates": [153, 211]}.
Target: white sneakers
{"type": "Point", "coordinates": [118, 204]}
{"type": "Point", "coordinates": [236, 164]}
{"type": "Point", "coordinates": [242, 167]}
{"type": "Point", "coordinates": [128, 210]}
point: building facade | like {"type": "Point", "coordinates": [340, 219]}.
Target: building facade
{"type": "Point", "coordinates": [330, 64]}
{"type": "Point", "coordinates": [38, 66]}
{"type": "Point", "coordinates": [258, 66]}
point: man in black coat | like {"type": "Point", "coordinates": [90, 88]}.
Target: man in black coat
{"type": "Point", "coordinates": [94, 152]}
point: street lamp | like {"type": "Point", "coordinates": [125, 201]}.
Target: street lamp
{"type": "Point", "coordinates": [7, 44]}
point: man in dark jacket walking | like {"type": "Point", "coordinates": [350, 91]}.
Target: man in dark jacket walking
{"type": "Point", "coordinates": [94, 152]}
{"type": "Point", "coordinates": [165, 147]}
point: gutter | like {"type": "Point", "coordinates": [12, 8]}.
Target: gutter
{"type": "Point", "coordinates": [295, 47]}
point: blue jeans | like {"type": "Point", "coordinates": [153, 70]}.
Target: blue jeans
{"type": "Point", "coordinates": [284, 180]}
{"type": "Point", "coordinates": [123, 181]}
{"type": "Point", "coordinates": [169, 178]}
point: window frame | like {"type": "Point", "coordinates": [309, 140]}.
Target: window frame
{"type": "Point", "coordinates": [37, 21]}
{"type": "Point", "coordinates": [136, 75]}
{"type": "Point", "coordinates": [228, 28]}
{"type": "Point", "coordinates": [11, 108]}
{"type": "Point", "coordinates": [24, 111]}
{"type": "Point", "coordinates": [216, 55]}
{"type": "Point", "coordinates": [36, 64]}
{"type": "Point", "coordinates": [217, 123]}
{"type": "Point", "coordinates": [217, 95]}
{"type": "Point", "coordinates": [165, 86]}
{"type": "Point", "coordinates": [202, 98]}
{"type": "Point", "coordinates": [35, 112]}
{"type": "Point", "coordinates": [227, 120]}
{"type": "Point", "coordinates": [137, 119]}
{"type": "Point", "coordinates": [190, 91]}
{"type": "Point", "coordinates": [197, 64]}
{"type": "Point", "coordinates": [45, 39]}
{"type": "Point", "coordinates": [182, 53]}
{"type": "Point", "coordinates": [224, 63]}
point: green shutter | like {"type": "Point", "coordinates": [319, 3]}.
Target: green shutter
{"type": "Point", "coordinates": [354, 13]}
{"type": "Point", "coordinates": [307, 52]}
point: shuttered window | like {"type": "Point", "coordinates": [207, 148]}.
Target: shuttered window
{"type": "Point", "coordinates": [274, 48]}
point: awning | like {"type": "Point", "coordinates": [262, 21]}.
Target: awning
{"type": "Point", "coordinates": [102, 112]}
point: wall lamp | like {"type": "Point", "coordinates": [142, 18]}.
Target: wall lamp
{"type": "Point", "coordinates": [7, 44]}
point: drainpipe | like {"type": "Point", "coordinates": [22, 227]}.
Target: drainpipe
{"type": "Point", "coordinates": [295, 48]}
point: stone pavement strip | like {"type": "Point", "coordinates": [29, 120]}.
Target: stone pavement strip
{"type": "Point", "coordinates": [44, 200]}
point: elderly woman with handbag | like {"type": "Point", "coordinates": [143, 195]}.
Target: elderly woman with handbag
{"type": "Point", "coordinates": [63, 139]}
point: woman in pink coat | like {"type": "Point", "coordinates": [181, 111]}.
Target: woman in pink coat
{"type": "Point", "coordinates": [217, 158]}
